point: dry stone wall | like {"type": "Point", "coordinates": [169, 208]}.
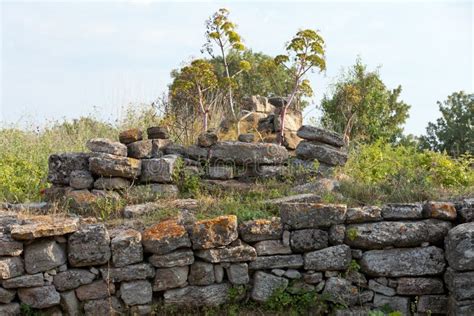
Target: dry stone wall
{"type": "Point", "coordinates": [412, 258]}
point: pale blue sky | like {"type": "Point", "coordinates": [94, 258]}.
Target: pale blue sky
{"type": "Point", "coordinates": [63, 59]}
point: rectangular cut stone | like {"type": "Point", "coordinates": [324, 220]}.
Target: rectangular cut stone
{"type": "Point", "coordinates": [321, 135]}
{"type": "Point", "coordinates": [107, 165]}
{"type": "Point", "coordinates": [328, 259]}
{"type": "Point", "coordinates": [192, 296]}
{"type": "Point", "coordinates": [11, 267]}
{"type": "Point", "coordinates": [138, 271]}
{"type": "Point", "coordinates": [9, 247]}
{"type": "Point", "coordinates": [396, 303]}
{"type": "Point", "coordinates": [260, 229]}
{"type": "Point", "coordinates": [24, 281]}
{"type": "Point", "coordinates": [395, 211]}
{"type": "Point", "coordinates": [271, 247]}
{"type": "Point", "coordinates": [60, 166]}
{"type": "Point", "coordinates": [158, 169]}
{"type": "Point", "coordinates": [311, 215]}
{"type": "Point", "coordinates": [178, 258]}
{"type": "Point", "coordinates": [170, 278]}
{"type": "Point", "coordinates": [248, 153]}
{"type": "Point", "coordinates": [235, 252]}
{"type": "Point", "coordinates": [43, 226]}
{"type": "Point", "coordinates": [363, 214]}
{"type": "Point", "coordinates": [419, 286]}
{"type": "Point", "coordinates": [432, 304]}
{"type": "Point", "coordinates": [324, 153]}
{"type": "Point", "coordinates": [280, 261]}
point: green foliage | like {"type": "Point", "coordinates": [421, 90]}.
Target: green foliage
{"type": "Point", "coordinates": [189, 184]}
{"type": "Point", "coordinates": [27, 310]}
{"type": "Point", "coordinates": [352, 234]}
{"type": "Point", "coordinates": [353, 266]}
{"type": "Point", "coordinates": [295, 304]}
{"type": "Point", "coordinates": [362, 108]}
{"type": "Point", "coordinates": [454, 131]}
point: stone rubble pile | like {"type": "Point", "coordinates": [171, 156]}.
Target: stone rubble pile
{"type": "Point", "coordinates": [409, 257]}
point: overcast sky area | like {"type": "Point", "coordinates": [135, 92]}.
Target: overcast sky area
{"type": "Point", "coordinates": [63, 59]}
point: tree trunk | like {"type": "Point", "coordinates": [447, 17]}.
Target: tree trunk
{"type": "Point", "coordinates": [281, 135]}
{"type": "Point", "coordinates": [205, 119]}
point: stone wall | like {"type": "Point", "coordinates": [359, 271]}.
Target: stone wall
{"type": "Point", "coordinates": [412, 258]}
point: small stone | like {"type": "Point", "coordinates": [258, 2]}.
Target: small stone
{"type": "Point", "coordinates": [159, 170]}
{"type": "Point", "coordinates": [89, 246]}
{"type": "Point", "coordinates": [397, 211]}
{"type": "Point", "coordinates": [10, 267]}
{"type": "Point", "coordinates": [356, 278]}
{"type": "Point", "coordinates": [432, 304]}
{"type": "Point", "coordinates": [285, 238]}
{"type": "Point", "coordinates": [127, 248]}
{"type": "Point", "coordinates": [136, 292]}
{"type": "Point", "coordinates": [141, 310]}
{"type": "Point", "coordinates": [207, 139]}
{"type": "Point", "coordinates": [459, 247]}
{"type": "Point", "coordinates": [6, 296]}
{"type": "Point", "coordinates": [10, 247]}
{"type": "Point", "coordinates": [131, 135]}
{"type": "Point", "coordinates": [24, 281]}
{"type": "Point", "coordinates": [265, 285]}
{"type": "Point", "coordinates": [132, 272]}
{"type": "Point", "coordinates": [271, 247]}
{"type": "Point", "coordinates": [313, 278]}
{"type": "Point", "coordinates": [212, 233]}
{"type": "Point", "coordinates": [194, 296]}
{"type": "Point", "coordinates": [337, 234]}
{"type": "Point", "coordinates": [103, 145]}
{"type": "Point", "coordinates": [382, 289]}
{"type": "Point", "coordinates": [363, 214]}
{"type": "Point", "coordinates": [165, 237]}
{"type": "Point", "coordinates": [69, 303]}
{"type": "Point", "coordinates": [419, 286]}
{"type": "Point", "coordinates": [43, 255]}
{"type": "Point", "coordinates": [220, 172]}
{"type": "Point", "coordinates": [218, 273]}
{"type": "Point", "coordinates": [292, 274]}
{"type": "Point", "coordinates": [308, 239]}
{"type": "Point", "coordinates": [311, 215]}
{"type": "Point", "coordinates": [440, 210]}
{"type": "Point", "coordinates": [72, 279]}
{"type": "Point", "coordinates": [356, 253]}
{"type": "Point", "coordinates": [238, 273]}
{"type": "Point", "coordinates": [112, 184]}
{"type": "Point", "coordinates": [157, 132]}
{"type": "Point", "coordinates": [279, 261]}
{"type": "Point", "coordinates": [261, 229]}
{"type": "Point", "coordinates": [201, 273]}
{"type": "Point", "coordinates": [80, 179]}
{"type": "Point", "coordinates": [10, 309]}
{"type": "Point", "coordinates": [39, 297]}
{"type": "Point", "coordinates": [94, 271]}
{"type": "Point", "coordinates": [331, 258]}
{"type": "Point", "coordinates": [178, 258]}
{"type": "Point", "coordinates": [396, 303]}
{"type": "Point", "coordinates": [169, 278]}
{"type": "Point", "coordinates": [95, 291]}
{"type": "Point", "coordinates": [237, 251]}
{"type": "Point", "coordinates": [246, 138]}
{"type": "Point", "coordinates": [331, 274]}
{"type": "Point", "coordinates": [341, 291]}
{"type": "Point", "coordinates": [299, 287]}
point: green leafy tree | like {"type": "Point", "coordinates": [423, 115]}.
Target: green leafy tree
{"type": "Point", "coordinates": [305, 52]}
{"type": "Point", "coordinates": [221, 33]}
{"type": "Point", "coordinates": [454, 131]}
{"type": "Point", "coordinates": [196, 84]}
{"type": "Point", "coordinates": [362, 108]}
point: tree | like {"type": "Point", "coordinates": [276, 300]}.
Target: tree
{"type": "Point", "coordinates": [220, 31]}
{"type": "Point", "coordinates": [454, 131]}
{"type": "Point", "coordinates": [304, 52]}
{"type": "Point", "coordinates": [362, 108]}
{"type": "Point", "coordinates": [196, 84]}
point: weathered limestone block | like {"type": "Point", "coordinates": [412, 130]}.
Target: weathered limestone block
{"type": "Point", "coordinates": [328, 259]}
{"type": "Point", "coordinates": [397, 211]}
{"type": "Point", "coordinates": [142, 149]}
{"type": "Point", "coordinates": [432, 304]}
{"type": "Point", "coordinates": [137, 210]}
{"type": "Point", "coordinates": [130, 136]}
{"type": "Point", "coordinates": [112, 184]}
{"type": "Point", "coordinates": [323, 153]}
{"type": "Point", "coordinates": [272, 247]}
{"type": "Point", "coordinates": [279, 261]}
{"type": "Point", "coordinates": [107, 165]}
{"type": "Point", "coordinates": [165, 237]}
{"type": "Point", "coordinates": [193, 152]}
{"type": "Point", "coordinates": [127, 248]}
{"type": "Point", "coordinates": [89, 246]}
{"type": "Point", "coordinates": [419, 286]}
{"type": "Point", "coordinates": [440, 210]}
{"type": "Point", "coordinates": [313, 133]}
{"type": "Point", "coordinates": [459, 245]}
{"type": "Point", "coordinates": [220, 172]}
{"type": "Point", "coordinates": [106, 146]}
{"type": "Point", "coordinates": [39, 297]}
{"type": "Point", "coordinates": [6, 296]}
{"type": "Point", "coordinates": [379, 235]}
{"type": "Point", "coordinates": [60, 166]}
{"type": "Point", "coordinates": [216, 232]}
{"type": "Point", "coordinates": [170, 278]}
{"type": "Point", "coordinates": [260, 229]}
{"type": "Point", "coordinates": [158, 169]}
{"type": "Point", "coordinates": [43, 255]}
{"type": "Point", "coordinates": [293, 120]}
{"type": "Point", "coordinates": [364, 214]}
{"type": "Point", "coordinates": [80, 179]}
{"type": "Point", "coordinates": [9, 247]}
{"type": "Point", "coordinates": [95, 291]}
{"type": "Point", "coordinates": [311, 215]}
{"type": "Point", "coordinates": [136, 292]}
{"type": "Point", "coordinates": [265, 284]}
{"type": "Point", "coordinates": [44, 227]}
{"type": "Point", "coordinates": [211, 295]}
{"type": "Point", "coordinates": [70, 303]}
{"type": "Point", "coordinates": [380, 288]}
{"type": "Point", "coordinates": [257, 103]}
{"type": "Point", "coordinates": [132, 272]}
{"type": "Point", "coordinates": [460, 284]}
{"type": "Point", "coordinates": [466, 214]}
{"type": "Point", "coordinates": [201, 273]}
{"type": "Point", "coordinates": [337, 234]}
{"type": "Point", "coordinates": [178, 258]}
{"type": "Point", "coordinates": [292, 274]}
{"type": "Point", "coordinates": [72, 279]}
{"type": "Point", "coordinates": [403, 262]}
{"type": "Point", "coordinates": [107, 307]}
{"type": "Point", "coordinates": [237, 251]}
{"type": "Point", "coordinates": [10, 309]}
{"type": "Point", "coordinates": [238, 273]}
{"type": "Point", "coordinates": [157, 132]}
{"type": "Point", "coordinates": [207, 139]}
{"type": "Point", "coordinates": [396, 303]}
{"type": "Point", "coordinates": [341, 291]}
{"type": "Point", "coordinates": [308, 239]}
{"type": "Point", "coordinates": [248, 153]}
{"type": "Point", "coordinates": [31, 280]}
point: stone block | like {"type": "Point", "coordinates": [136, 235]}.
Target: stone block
{"type": "Point", "coordinates": [127, 248]}
{"type": "Point", "coordinates": [396, 303]}
{"type": "Point", "coordinates": [311, 215]}
{"type": "Point", "coordinates": [278, 261]}
{"type": "Point", "coordinates": [460, 284]}
{"type": "Point", "coordinates": [130, 136]}
{"type": "Point", "coordinates": [220, 172]}
{"type": "Point", "coordinates": [333, 258]}
{"type": "Point", "coordinates": [39, 297]}
{"type": "Point", "coordinates": [201, 273]}
{"type": "Point", "coordinates": [169, 278]}
{"type": "Point", "coordinates": [235, 252]}
{"type": "Point", "coordinates": [159, 170]}
{"type": "Point", "coordinates": [139, 271]}
{"type": "Point", "coordinates": [107, 165]}
{"type": "Point", "coordinates": [106, 146]}
{"type": "Point", "coordinates": [89, 246]}
{"type": "Point", "coordinates": [112, 184]}
{"type": "Point", "coordinates": [95, 291]}
{"type": "Point", "coordinates": [459, 245]}
{"type": "Point", "coordinates": [165, 237]}
{"type": "Point", "coordinates": [364, 214]}
{"type": "Point", "coordinates": [80, 179]}
{"type": "Point", "coordinates": [272, 247]}
{"type": "Point", "coordinates": [11, 267]}
{"type": "Point", "coordinates": [308, 239]}
{"type": "Point", "coordinates": [30, 280]}
{"type": "Point", "coordinates": [323, 153]}
{"type": "Point", "coordinates": [216, 232]}
{"type": "Point", "coordinates": [248, 153]}
{"type": "Point", "coordinates": [136, 292]}
{"type": "Point", "coordinates": [400, 211]}
{"type": "Point", "coordinates": [260, 229]}
{"type": "Point", "coordinates": [419, 286]}
{"type": "Point", "coordinates": [440, 210]}
{"type": "Point", "coordinates": [341, 291]}
{"type": "Point", "coordinates": [265, 285]}
{"type": "Point", "coordinates": [157, 132]}
{"type": "Point", "coordinates": [317, 134]}
{"type": "Point", "coordinates": [178, 258]}
{"type": "Point", "coordinates": [72, 279]}
{"type": "Point", "coordinates": [43, 255]}
{"type": "Point", "coordinates": [60, 166]}
{"type": "Point", "coordinates": [432, 304]}
{"type": "Point", "coordinates": [238, 273]}
{"type": "Point", "coordinates": [194, 296]}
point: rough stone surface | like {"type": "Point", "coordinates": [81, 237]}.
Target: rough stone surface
{"type": "Point", "coordinates": [132, 272]}
{"type": "Point", "coordinates": [211, 295]}
{"type": "Point", "coordinates": [249, 153]}
{"type": "Point", "coordinates": [70, 303]}
{"type": "Point", "coordinates": [201, 273]}
{"type": "Point", "coordinates": [219, 273]}
{"type": "Point", "coordinates": [238, 273]}
{"type": "Point", "coordinates": [459, 245]}
{"type": "Point", "coordinates": [60, 166]}
{"type": "Point", "coordinates": [178, 258]}
{"type": "Point", "coordinates": [311, 215]}
{"type": "Point", "coordinates": [106, 146]}
{"type": "Point", "coordinates": [293, 120]}
{"type": "Point", "coordinates": [6, 296]}
{"type": "Point", "coordinates": [308, 239]}
{"type": "Point", "coordinates": [235, 252]}
{"type": "Point", "coordinates": [136, 292]}
{"type": "Point", "coordinates": [80, 179]}
{"type": "Point", "coordinates": [396, 303]}
{"type": "Point", "coordinates": [127, 248]}
{"type": "Point", "coordinates": [379, 235]}
{"type": "Point", "coordinates": [313, 133]}
{"type": "Point", "coordinates": [272, 247]}
{"type": "Point", "coordinates": [107, 307]}
{"type": "Point", "coordinates": [43, 255]}
{"type": "Point", "coordinates": [107, 165]}
{"type": "Point", "coordinates": [220, 172]}
{"type": "Point", "coordinates": [337, 234]}
{"type": "Point", "coordinates": [397, 211]}
{"type": "Point", "coordinates": [257, 103]}
{"type": "Point", "coordinates": [112, 184]}
{"type": "Point", "coordinates": [380, 288]}
{"type": "Point", "coordinates": [265, 284]}
{"type": "Point", "coordinates": [419, 286]}
{"type": "Point", "coordinates": [341, 291]}
{"type": "Point", "coordinates": [9, 247]}
{"type": "Point", "coordinates": [44, 227]}
{"type": "Point", "coordinates": [72, 279]}
{"type": "Point", "coordinates": [432, 304]}
{"type": "Point", "coordinates": [322, 152]}
{"type": "Point", "coordinates": [313, 277]}
{"type": "Point", "coordinates": [403, 262]}
{"type": "Point", "coordinates": [460, 308]}
{"type": "Point", "coordinates": [95, 291]}
{"type": "Point", "coordinates": [24, 281]}
{"type": "Point", "coordinates": [279, 261]}
{"type": "Point", "coordinates": [157, 132]}
{"type": "Point", "coordinates": [261, 229]}
{"type": "Point", "coordinates": [440, 210]}
{"type": "Point", "coordinates": [89, 246]}
{"type": "Point", "coordinates": [165, 237]}
{"type": "Point", "coordinates": [331, 258]}
{"type": "Point", "coordinates": [158, 169]}
{"type": "Point", "coordinates": [39, 297]}
{"type": "Point", "coordinates": [213, 233]}
{"type": "Point", "coordinates": [152, 191]}
{"type": "Point", "coordinates": [363, 214]}
{"type": "Point", "coordinates": [10, 309]}
{"type": "Point", "coordinates": [137, 210]}
{"type": "Point", "coordinates": [130, 136]}
{"type": "Point", "coordinates": [460, 284]}
{"type": "Point", "coordinates": [170, 278]}
{"type": "Point", "coordinates": [142, 149]}
{"type": "Point", "coordinates": [207, 139]}
{"type": "Point", "coordinates": [246, 138]}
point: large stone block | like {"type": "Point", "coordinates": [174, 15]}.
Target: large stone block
{"type": "Point", "coordinates": [72, 279]}
{"type": "Point", "coordinates": [106, 146]}
{"type": "Point", "coordinates": [238, 273]}
{"type": "Point", "coordinates": [178, 258]}
{"type": "Point", "coordinates": [107, 165]}
{"type": "Point", "coordinates": [165, 237]}
{"type": "Point", "coordinates": [201, 273]}
{"type": "Point", "coordinates": [44, 227]}
{"type": "Point", "coordinates": [136, 292]}
{"type": "Point", "coordinates": [157, 132]}
{"type": "Point", "coordinates": [260, 229]}
{"type": "Point", "coordinates": [248, 153]}
{"type": "Point", "coordinates": [272, 247]}
{"type": "Point", "coordinates": [460, 308]}
{"type": "Point", "coordinates": [400, 211]}
{"type": "Point", "coordinates": [459, 245]}
{"type": "Point", "coordinates": [11, 267]}
{"type": "Point", "coordinates": [440, 210]}
{"type": "Point", "coordinates": [145, 149]}
{"type": "Point", "coordinates": [341, 291]}
{"type": "Point", "coordinates": [127, 248]}
{"type": "Point", "coordinates": [89, 246]}
{"type": "Point", "coordinates": [265, 285]}
{"type": "Point", "coordinates": [29, 280]}
{"type": "Point", "coordinates": [403, 262]}
{"type": "Point", "coordinates": [308, 239]}
{"type": "Point", "coordinates": [363, 214]}
{"type": "Point", "coordinates": [216, 232]}
{"type": "Point", "coordinates": [419, 286]}
{"type": "Point", "coordinates": [8, 246]}
{"type": "Point", "coordinates": [313, 133]}
{"type": "Point", "coordinates": [159, 170]}
{"type": "Point", "coordinates": [80, 179]}
{"type": "Point", "coordinates": [39, 297]}
{"type": "Point", "coordinates": [60, 166]}
{"type": "Point", "coordinates": [311, 215]}
{"type": "Point", "coordinates": [43, 255]}
{"type": "Point", "coordinates": [322, 152]}
{"type": "Point", "coordinates": [207, 139]}
{"type": "Point", "coordinates": [279, 261]}
{"type": "Point", "coordinates": [69, 303]}
{"type": "Point", "coordinates": [12, 309]}
{"type": "Point", "coordinates": [332, 259]}
{"type": "Point", "coordinates": [192, 296]}
{"type": "Point", "coordinates": [170, 278]}
{"type": "Point", "coordinates": [460, 284]}
{"type": "Point", "coordinates": [235, 252]}
{"type": "Point", "coordinates": [130, 136]}
{"type": "Point", "coordinates": [397, 234]}
{"type": "Point", "coordinates": [110, 306]}
{"type": "Point", "coordinates": [139, 271]}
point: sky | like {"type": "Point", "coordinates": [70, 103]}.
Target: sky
{"type": "Point", "coordinates": [64, 59]}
